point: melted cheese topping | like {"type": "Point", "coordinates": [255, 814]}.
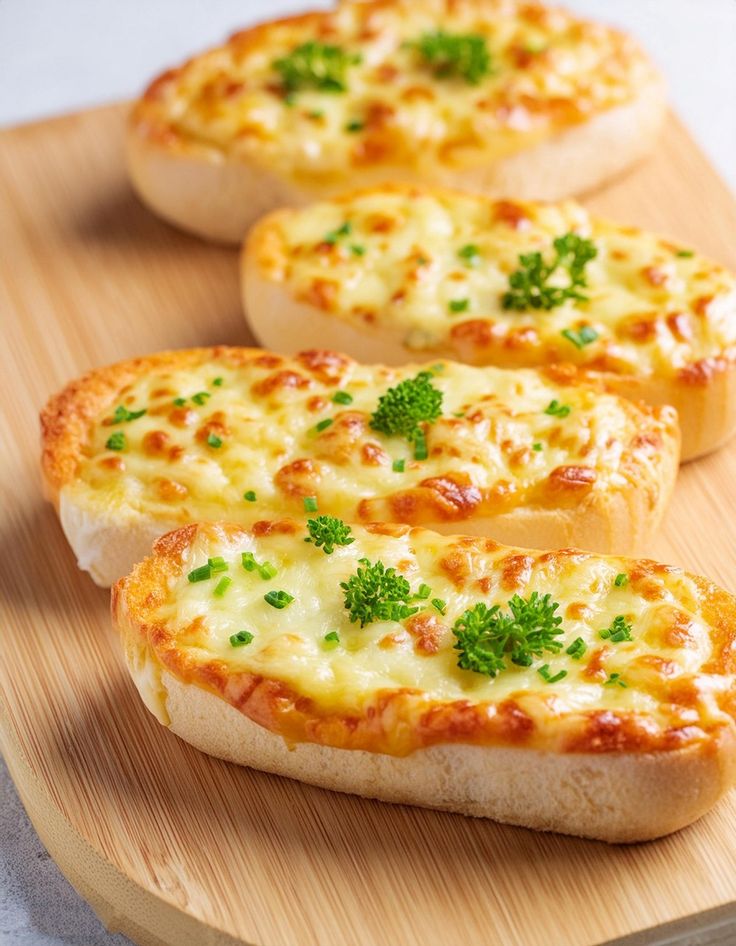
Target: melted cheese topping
{"type": "Point", "coordinates": [656, 307]}
{"type": "Point", "coordinates": [662, 666]}
{"type": "Point", "coordinates": [216, 429]}
{"type": "Point", "coordinates": [549, 70]}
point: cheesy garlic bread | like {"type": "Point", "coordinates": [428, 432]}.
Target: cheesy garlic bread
{"type": "Point", "coordinates": [535, 458]}
{"type": "Point", "coordinates": [399, 272]}
{"type": "Point", "coordinates": [499, 96]}
{"type": "Point", "coordinates": [562, 691]}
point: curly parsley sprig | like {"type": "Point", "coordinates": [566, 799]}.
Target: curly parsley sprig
{"type": "Point", "coordinates": [403, 409]}
{"type": "Point", "coordinates": [461, 55]}
{"type": "Point", "coordinates": [315, 65]}
{"type": "Point", "coordinates": [376, 593]}
{"type": "Point", "coordinates": [529, 286]}
{"type": "Point", "coordinates": [487, 637]}
{"type": "Point", "coordinates": [327, 531]}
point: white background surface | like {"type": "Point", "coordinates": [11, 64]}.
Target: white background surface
{"type": "Point", "coordinates": [62, 55]}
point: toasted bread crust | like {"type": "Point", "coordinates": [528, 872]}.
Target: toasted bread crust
{"type": "Point", "coordinates": [656, 781]}
{"type": "Point", "coordinates": [218, 188]}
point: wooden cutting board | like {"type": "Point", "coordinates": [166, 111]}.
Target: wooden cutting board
{"type": "Point", "coordinates": [170, 846]}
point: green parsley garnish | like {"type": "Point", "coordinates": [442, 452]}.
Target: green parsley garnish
{"type": "Point", "coordinates": [266, 570]}
{"type": "Point", "coordinates": [529, 286]}
{"type": "Point", "coordinates": [581, 338]}
{"type": "Point", "coordinates": [200, 397]}
{"type": "Point", "coordinates": [326, 532]}
{"type": "Point", "coordinates": [241, 638]}
{"type": "Point", "coordinates": [377, 593]}
{"type": "Point", "coordinates": [470, 254]}
{"type": "Point", "coordinates": [250, 496]}
{"type": "Point", "coordinates": [222, 585]}
{"type": "Point", "coordinates": [332, 640]}
{"type": "Point", "coordinates": [116, 441]}
{"type": "Point", "coordinates": [402, 409]}
{"type": "Point", "coordinates": [355, 125]}
{"type": "Point", "coordinates": [342, 397]}
{"type": "Point", "coordinates": [555, 409]}
{"type": "Point", "coordinates": [200, 574]}
{"type": "Point", "coordinates": [180, 401]}
{"type": "Point", "coordinates": [462, 55]}
{"type": "Point", "coordinates": [619, 630]}
{"type": "Point", "coordinates": [615, 680]}
{"type": "Point", "coordinates": [278, 599]}
{"type": "Point", "coordinates": [315, 65]}
{"type": "Point", "coordinates": [398, 466]}
{"type": "Point", "coordinates": [122, 414]}
{"type": "Point", "coordinates": [439, 605]}
{"type": "Point", "coordinates": [217, 382]}
{"type": "Point", "coordinates": [458, 305]}
{"type": "Point", "coordinates": [310, 504]}
{"type": "Point", "coordinates": [685, 254]}
{"type": "Point", "coordinates": [323, 425]}
{"type": "Point", "coordinates": [214, 441]}
{"type": "Point", "coordinates": [217, 564]}
{"type": "Point", "coordinates": [545, 674]}
{"type": "Point", "coordinates": [357, 250]}
{"type": "Point", "coordinates": [485, 636]}
{"type": "Point", "coordinates": [621, 579]}
{"type": "Point", "coordinates": [577, 648]}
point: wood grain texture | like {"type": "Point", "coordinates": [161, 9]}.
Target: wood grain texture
{"type": "Point", "coordinates": [174, 847]}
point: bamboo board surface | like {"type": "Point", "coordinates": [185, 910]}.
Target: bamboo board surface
{"type": "Point", "coordinates": [171, 846]}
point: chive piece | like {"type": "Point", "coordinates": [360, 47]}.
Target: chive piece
{"type": "Point", "coordinates": [214, 441]}
{"type": "Point", "coordinates": [248, 561]}
{"type": "Point", "coordinates": [316, 113]}
{"type": "Point", "coordinates": [581, 338]}
{"type": "Point", "coordinates": [470, 254]}
{"type": "Point", "coordinates": [614, 680]}
{"type": "Point", "coordinates": [398, 466]}
{"type": "Point", "coordinates": [555, 409]}
{"type": "Point", "coordinates": [537, 447]}
{"type": "Point", "coordinates": [355, 125]}
{"type": "Point", "coordinates": [217, 382]}
{"type": "Point", "coordinates": [241, 638]}
{"type": "Point", "coordinates": [420, 446]}
{"type": "Point", "coordinates": [200, 574]}
{"type": "Point", "coordinates": [122, 414]}
{"type": "Point", "coordinates": [423, 592]}
{"type": "Point", "coordinates": [458, 305]}
{"type": "Point", "coordinates": [577, 648]}
{"type": "Point", "coordinates": [334, 235]}
{"type": "Point", "coordinates": [332, 640]}
{"type": "Point", "coordinates": [357, 249]}
{"type": "Point", "coordinates": [116, 441]}
{"type": "Point", "coordinates": [180, 401]}
{"type": "Point", "coordinates": [250, 496]}
{"type": "Point", "coordinates": [621, 579]}
{"type": "Point", "coordinates": [618, 631]}
{"type": "Point", "coordinates": [342, 397]}
{"type": "Point", "coordinates": [200, 397]}
{"type": "Point", "coordinates": [310, 504]}
{"type": "Point", "coordinates": [458, 413]}
{"type": "Point", "coordinates": [217, 564]}
{"type": "Point", "coordinates": [267, 571]}
{"type": "Point", "coordinates": [544, 673]}
{"type": "Point", "coordinates": [323, 424]}
{"type": "Point", "coordinates": [278, 599]}
{"type": "Point", "coordinates": [222, 585]}
{"type": "Point", "coordinates": [685, 254]}
{"type": "Point", "coordinates": [439, 605]}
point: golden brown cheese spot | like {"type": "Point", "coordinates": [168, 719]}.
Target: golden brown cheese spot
{"type": "Point", "coordinates": [372, 454]}
{"type": "Point", "coordinates": [116, 464]}
{"type": "Point", "coordinates": [457, 566]}
{"type": "Point", "coordinates": [578, 611]}
{"type": "Point", "coordinates": [156, 443]}
{"type": "Point", "coordinates": [170, 490]}
{"type": "Point", "coordinates": [299, 478]}
{"type": "Point", "coordinates": [655, 275]}
{"type": "Point", "coordinates": [575, 480]}
{"type": "Point", "coordinates": [512, 214]}
{"type": "Point", "coordinates": [280, 380]}
{"type": "Point", "coordinates": [275, 527]}
{"type": "Point", "coordinates": [516, 571]}
{"type": "Point", "coordinates": [326, 366]}
{"type": "Point", "coordinates": [214, 427]}
{"type": "Point", "coordinates": [455, 496]}
{"type": "Point", "coordinates": [426, 629]}
{"type": "Point", "coordinates": [700, 373]}
{"type": "Point", "coordinates": [183, 417]}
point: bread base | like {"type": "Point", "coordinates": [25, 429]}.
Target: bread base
{"type": "Point", "coordinates": [608, 797]}
{"type": "Point", "coordinates": [205, 192]}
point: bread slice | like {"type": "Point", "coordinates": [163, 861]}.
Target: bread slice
{"type": "Point", "coordinates": [622, 731]}
{"type": "Point", "coordinates": [499, 96]}
{"type": "Point", "coordinates": [132, 450]}
{"type": "Point", "coordinates": [398, 272]}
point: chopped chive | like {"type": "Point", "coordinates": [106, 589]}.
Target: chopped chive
{"type": "Point", "coordinates": [537, 447]}
{"type": "Point", "coordinates": [278, 599]}
{"type": "Point", "coordinates": [357, 249]}
{"type": "Point", "coordinates": [116, 441]}
{"type": "Point", "coordinates": [614, 680]}
{"type": "Point", "coordinates": [241, 638]}
{"type": "Point", "coordinates": [423, 592]}
{"type": "Point", "coordinates": [581, 338]}
{"type": "Point", "coordinates": [618, 631]}
{"type": "Point", "coordinates": [334, 235]}
{"type": "Point", "coordinates": [217, 564]}
{"type": "Point", "coordinates": [214, 441]}
{"type": "Point", "coordinates": [332, 639]}
{"type": "Point", "coordinates": [577, 648]}
{"type": "Point", "coordinates": [267, 571]}
{"type": "Point", "coordinates": [545, 674]}
{"type": "Point", "coordinates": [621, 579]}
{"type": "Point", "coordinates": [180, 401]}
{"type": "Point", "coordinates": [200, 574]}
{"type": "Point", "coordinates": [248, 561]}
{"type": "Point", "coordinates": [439, 605]}
{"type": "Point", "coordinates": [470, 254]}
{"type": "Point", "coordinates": [200, 397]}
{"type": "Point", "coordinates": [555, 409]}
{"type": "Point", "coordinates": [342, 397]}
{"type": "Point", "coordinates": [222, 585]}
{"type": "Point", "coordinates": [122, 414]}
{"type": "Point", "coordinates": [323, 425]}
{"type": "Point", "coordinates": [250, 496]}
{"type": "Point", "coordinates": [458, 305]}
{"type": "Point", "coordinates": [685, 254]}
{"type": "Point", "coordinates": [458, 413]}
{"type": "Point", "coordinates": [316, 113]}
{"type": "Point", "coordinates": [420, 446]}
{"type": "Point", "coordinates": [355, 125]}
{"type": "Point", "coordinates": [217, 382]}
{"type": "Point", "coordinates": [310, 504]}
{"type": "Point", "coordinates": [399, 466]}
